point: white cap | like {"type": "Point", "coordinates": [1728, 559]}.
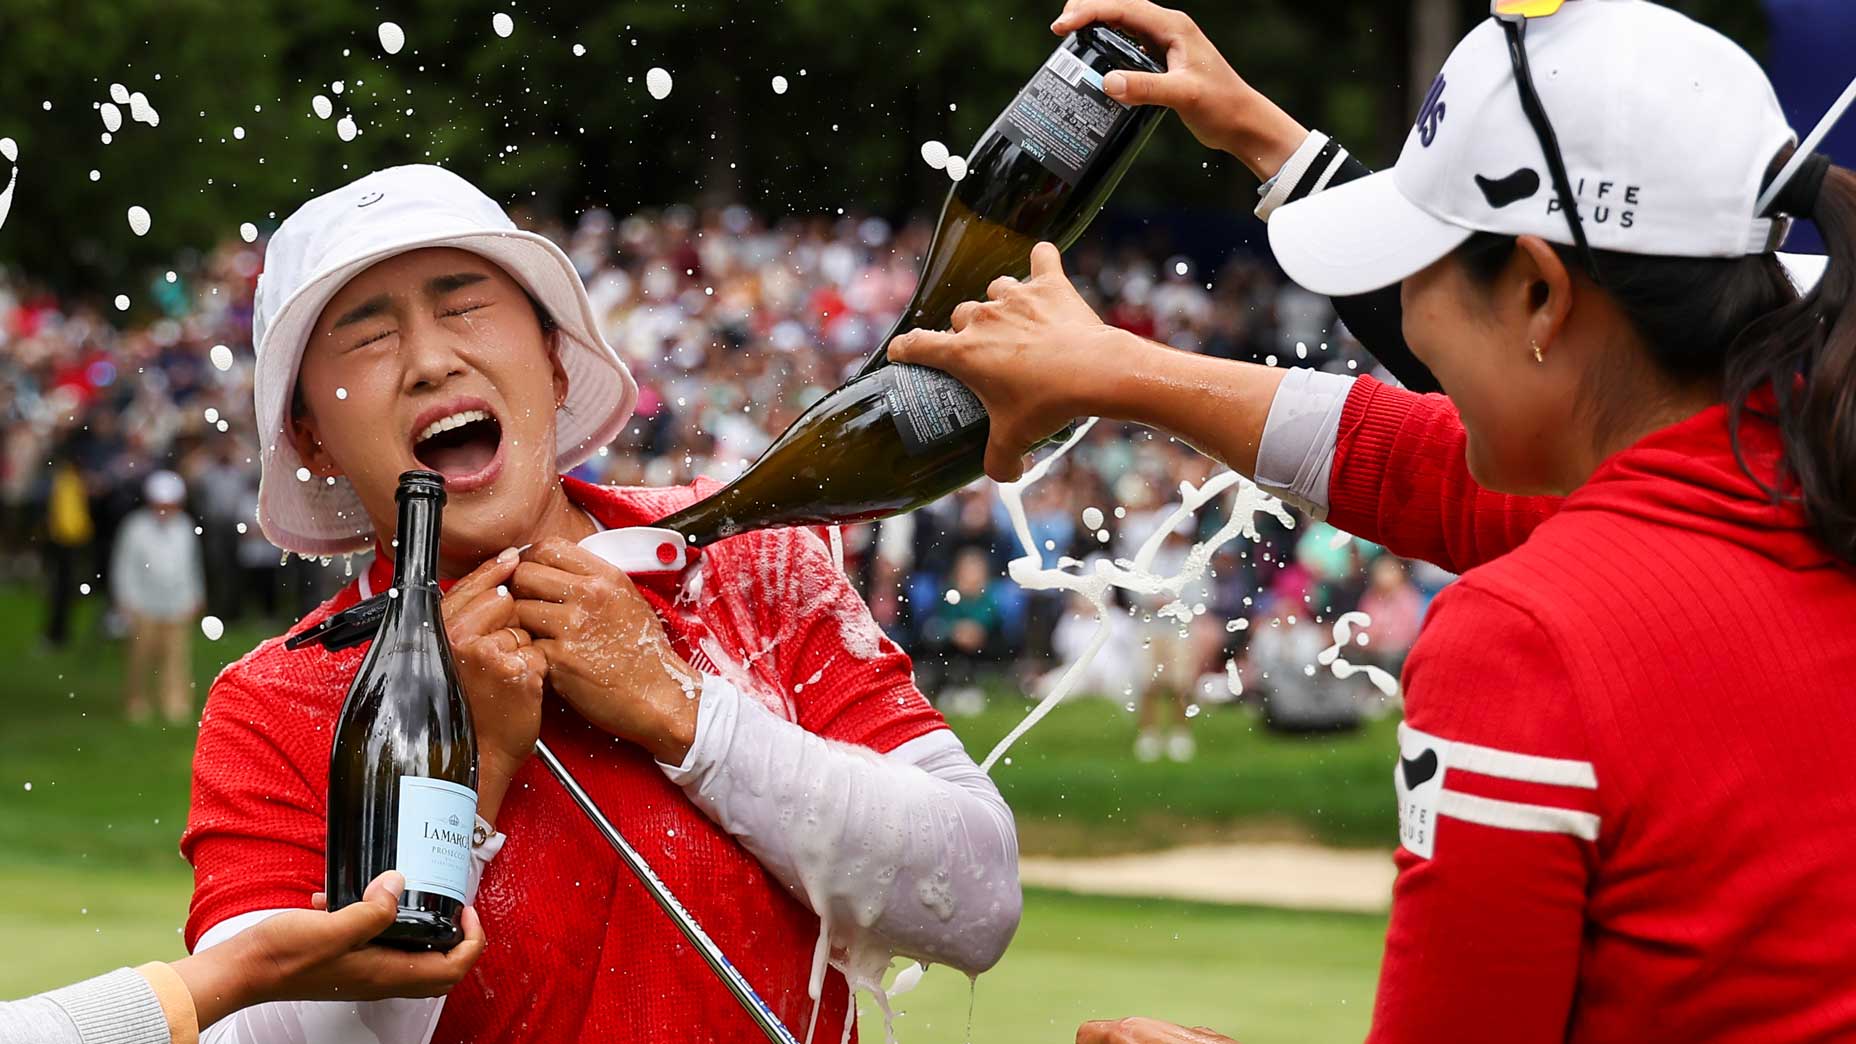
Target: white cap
{"type": "Point", "coordinates": [334, 237]}
{"type": "Point", "coordinates": [164, 487]}
{"type": "Point", "coordinates": [1668, 129]}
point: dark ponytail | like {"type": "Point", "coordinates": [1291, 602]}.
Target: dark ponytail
{"type": "Point", "coordinates": [1805, 353]}
{"type": "Point", "coordinates": [1739, 327]}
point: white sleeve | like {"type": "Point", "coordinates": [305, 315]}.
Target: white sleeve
{"type": "Point", "coordinates": [408, 1020]}
{"type": "Point", "coordinates": [1307, 171]}
{"type": "Point", "coordinates": [915, 846]}
{"type": "Point", "coordinates": [1295, 457]}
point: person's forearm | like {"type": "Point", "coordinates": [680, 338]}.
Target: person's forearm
{"type": "Point", "coordinates": [1267, 137]}
{"type": "Point", "coordinates": [915, 846]}
{"type": "Point", "coordinates": [1216, 405]}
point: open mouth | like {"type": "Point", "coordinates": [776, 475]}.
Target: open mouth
{"type": "Point", "coordinates": [460, 446]}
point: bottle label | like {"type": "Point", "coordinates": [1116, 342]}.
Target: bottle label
{"type": "Point", "coordinates": [437, 817]}
{"type": "Point", "coordinates": [930, 407]}
{"type": "Point", "coordinates": [1061, 117]}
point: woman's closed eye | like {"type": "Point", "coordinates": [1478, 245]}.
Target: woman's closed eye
{"type": "Point", "coordinates": [460, 310]}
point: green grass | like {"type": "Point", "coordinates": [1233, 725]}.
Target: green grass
{"type": "Point", "coordinates": [1076, 788]}
{"type": "Point", "coordinates": [90, 877]}
{"type": "Point", "coordinates": [1262, 976]}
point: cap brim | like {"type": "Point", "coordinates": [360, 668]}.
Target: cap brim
{"type": "Point", "coordinates": [1359, 237]}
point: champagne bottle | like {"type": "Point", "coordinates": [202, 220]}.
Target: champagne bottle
{"type": "Point", "coordinates": [896, 437]}
{"type": "Point", "coordinates": [1041, 172]}
{"type": "Point", "coordinates": [403, 772]}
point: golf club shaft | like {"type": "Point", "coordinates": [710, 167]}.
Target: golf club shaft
{"type": "Point", "coordinates": [750, 1001]}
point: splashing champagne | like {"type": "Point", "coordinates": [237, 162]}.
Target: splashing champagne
{"type": "Point", "coordinates": [403, 772]}
{"type": "Point", "coordinates": [896, 437]}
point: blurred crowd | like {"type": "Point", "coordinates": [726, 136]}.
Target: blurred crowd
{"type": "Point", "coordinates": [733, 325]}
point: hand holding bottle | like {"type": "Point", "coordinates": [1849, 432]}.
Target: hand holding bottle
{"type": "Point", "coordinates": [1034, 353]}
{"type": "Point", "coordinates": [1215, 103]}
{"type": "Point", "coordinates": [500, 671]}
{"type": "Point", "coordinates": [315, 955]}
{"type": "Point", "coordinates": [606, 650]}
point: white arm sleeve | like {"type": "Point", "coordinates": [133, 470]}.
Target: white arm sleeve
{"type": "Point", "coordinates": [398, 1021]}
{"type": "Point", "coordinates": [1295, 457]}
{"type": "Point", "coordinates": [916, 846]}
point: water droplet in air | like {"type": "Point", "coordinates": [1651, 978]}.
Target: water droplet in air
{"type": "Point", "coordinates": [392, 37]}
{"type": "Point", "coordinates": [503, 24]}
{"type": "Point", "coordinates": [10, 149]}
{"type": "Point", "coordinates": [238, 133]}
{"type": "Point", "coordinates": [138, 220]}
{"type": "Point", "coordinates": [302, 474]}
{"type": "Point", "coordinates": [83, 588]}
{"type": "Point", "coordinates": [212, 415]}
{"type": "Point", "coordinates": [1092, 517]}
{"type": "Point", "coordinates": [28, 787]}
{"type": "Point", "coordinates": [212, 627]}
{"type": "Point", "coordinates": [579, 50]}
{"type": "Point", "coordinates": [119, 94]}
{"type": "Point", "coordinates": [1192, 710]}
{"type": "Point", "coordinates": [779, 85]}
{"type": "Point", "coordinates": [142, 112]}
{"type": "Point", "coordinates": [122, 302]}
{"type": "Point", "coordinates": [1179, 268]}
{"type": "Point", "coordinates": [953, 597]}
{"type": "Point", "coordinates": [341, 393]}
{"type": "Point", "coordinates": [241, 528]}
{"type": "Point", "coordinates": [112, 117]}
{"type": "Point", "coordinates": [657, 81]}
{"type": "Point", "coordinates": [324, 108]}
{"type": "Point", "coordinates": [956, 167]}
{"type": "Point", "coordinates": [248, 232]}
{"type": "Point", "coordinates": [1301, 349]}
{"type": "Point", "coordinates": [934, 154]}
{"type": "Point", "coordinates": [222, 425]}
{"type": "Point", "coordinates": [222, 357]}
{"type": "Point", "coordinates": [345, 128]}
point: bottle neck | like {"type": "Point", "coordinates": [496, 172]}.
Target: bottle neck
{"type": "Point", "coordinates": [705, 521]}
{"type": "Point", "coordinates": [415, 559]}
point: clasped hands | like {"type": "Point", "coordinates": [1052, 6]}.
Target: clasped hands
{"type": "Point", "coordinates": [556, 615]}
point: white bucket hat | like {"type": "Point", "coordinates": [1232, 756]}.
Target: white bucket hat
{"type": "Point", "coordinates": [334, 237]}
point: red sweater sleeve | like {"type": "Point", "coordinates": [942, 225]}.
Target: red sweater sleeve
{"type": "Point", "coordinates": [1400, 479]}
{"type": "Point", "coordinates": [847, 679]}
{"type": "Point", "coordinates": [1498, 820]}
{"type": "Point", "coordinates": [257, 829]}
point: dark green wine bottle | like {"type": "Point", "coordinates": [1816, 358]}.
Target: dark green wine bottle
{"type": "Point", "coordinates": [1041, 172]}
{"type": "Point", "coordinates": [403, 772]}
{"type": "Point", "coordinates": [896, 437]}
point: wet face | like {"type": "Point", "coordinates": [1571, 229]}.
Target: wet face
{"type": "Point", "coordinates": [435, 359]}
{"type": "Point", "coordinates": [1478, 341]}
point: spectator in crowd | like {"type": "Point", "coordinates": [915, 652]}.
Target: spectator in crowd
{"type": "Point", "coordinates": [963, 632]}
{"type": "Point", "coordinates": [1396, 608]}
{"type": "Point", "coordinates": [68, 533]}
{"type": "Point", "coordinates": [160, 588]}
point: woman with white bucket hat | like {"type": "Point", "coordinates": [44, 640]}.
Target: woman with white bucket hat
{"type": "Point", "coordinates": [1626, 807]}
{"type": "Point", "coordinates": [739, 717]}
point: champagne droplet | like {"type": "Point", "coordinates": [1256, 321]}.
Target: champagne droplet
{"type": "Point", "coordinates": [392, 37]}
{"type": "Point", "coordinates": [657, 81]}
{"type": "Point", "coordinates": [212, 627]}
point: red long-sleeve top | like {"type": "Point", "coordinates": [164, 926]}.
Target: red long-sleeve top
{"type": "Point", "coordinates": [578, 951]}
{"type": "Point", "coordinates": [1627, 810]}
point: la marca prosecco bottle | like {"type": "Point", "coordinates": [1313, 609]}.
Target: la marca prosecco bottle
{"type": "Point", "coordinates": [896, 437]}
{"type": "Point", "coordinates": [403, 773]}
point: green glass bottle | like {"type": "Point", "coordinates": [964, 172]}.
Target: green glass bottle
{"type": "Point", "coordinates": [403, 771]}
{"type": "Point", "coordinates": [896, 437]}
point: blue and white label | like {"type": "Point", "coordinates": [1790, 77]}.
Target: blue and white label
{"type": "Point", "coordinates": [436, 820]}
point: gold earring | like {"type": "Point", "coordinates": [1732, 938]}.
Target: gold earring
{"type": "Point", "coordinates": [1539, 358]}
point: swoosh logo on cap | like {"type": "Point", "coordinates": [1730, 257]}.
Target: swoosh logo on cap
{"type": "Point", "coordinates": [1514, 188]}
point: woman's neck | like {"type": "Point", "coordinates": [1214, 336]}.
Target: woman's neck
{"type": "Point", "coordinates": [558, 517]}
